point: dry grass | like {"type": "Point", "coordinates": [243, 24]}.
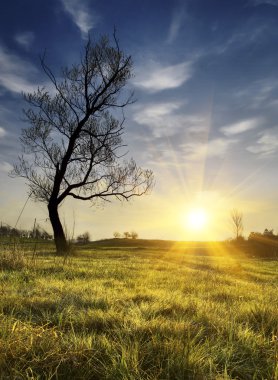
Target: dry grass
{"type": "Point", "coordinates": [139, 314]}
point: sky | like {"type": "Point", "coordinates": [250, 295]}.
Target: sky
{"type": "Point", "coordinates": [205, 118]}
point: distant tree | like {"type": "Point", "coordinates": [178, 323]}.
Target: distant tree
{"type": "Point", "coordinates": [237, 223]}
{"type": "Point", "coordinates": [264, 244]}
{"type": "Point", "coordinates": [5, 230]}
{"type": "Point", "coordinates": [269, 233]}
{"type": "Point", "coordinates": [84, 238]}
{"type": "Point", "coordinates": [116, 235]}
{"type": "Point", "coordinates": [73, 145]}
{"type": "Point", "coordinates": [126, 235]}
{"type": "Point", "coordinates": [133, 235]}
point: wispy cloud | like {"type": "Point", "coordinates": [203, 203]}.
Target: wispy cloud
{"type": "Point", "coordinates": [246, 35]}
{"type": "Point", "coordinates": [266, 145]}
{"type": "Point", "coordinates": [197, 150]}
{"type": "Point", "coordinates": [240, 127]}
{"type": "Point", "coordinates": [81, 15]}
{"type": "Point", "coordinates": [16, 74]}
{"type": "Point", "coordinates": [155, 113]}
{"type": "Point", "coordinates": [25, 39]}
{"type": "Point", "coordinates": [158, 117]}
{"type": "Point", "coordinates": [257, 94]}
{"type": "Point", "coordinates": [2, 132]}
{"type": "Point", "coordinates": [176, 23]}
{"type": "Point", "coordinates": [157, 78]}
{"type": "Point", "coordinates": [166, 119]}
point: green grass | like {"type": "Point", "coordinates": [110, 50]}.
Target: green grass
{"type": "Point", "coordinates": [138, 313]}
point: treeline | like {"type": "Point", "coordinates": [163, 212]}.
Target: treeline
{"type": "Point", "coordinates": [36, 233]}
{"type": "Point", "coordinates": [258, 244]}
{"type": "Point", "coordinates": [263, 244]}
{"type": "Point", "coordinates": [126, 235]}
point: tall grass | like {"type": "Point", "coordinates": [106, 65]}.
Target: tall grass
{"type": "Point", "coordinates": [139, 314]}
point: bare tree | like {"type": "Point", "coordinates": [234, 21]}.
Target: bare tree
{"type": "Point", "coordinates": [72, 147]}
{"type": "Point", "coordinates": [237, 222]}
{"type": "Point", "coordinates": [117, 235]}
{"type": "Point", "coordinates": [126, 235]}
{"type": "Point", "coordinates": [84, 238]}
{"type": "Point", "coordinates": [134, 235]}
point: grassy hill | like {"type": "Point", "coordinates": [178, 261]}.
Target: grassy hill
{"type": "Point", "coordinates": [187, 247]}
{"type": "Point", "coordinates": [147, 243]}
{"type": "Point", "coordinates": [265, 249]}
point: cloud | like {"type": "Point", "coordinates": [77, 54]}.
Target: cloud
{"type": "Point", "coordinates": [164, 119]}
{"type": "Point", "coordinates": [2, 132]}
{"type": "Point", "coordinates": [155, 113]}
{"type": "Point", "coordinates": [242, 126]}
{"type": "Point", "coordinates": [157, 78]}
{"type": "Point", "coordinates": [25, 39]}
{"type": "Point", "coordinates": [193, 151]}
{"type": "Point", "coordinates": [176, 23]}
{"type": "Point", "coordinates": [197, 150]}
{"type": "Point", "coordinates": [15, 73]}
{"type": "Point", "coordinates": [81, 15]}
{"type": "Point", "coordinates": [257, 94]}
{"type": "Point", "coordinates": [266, 145]}
{"type": "Point", "coordinates": [159, 117]}
{"type": "Point", "coordinates": [249, 34]}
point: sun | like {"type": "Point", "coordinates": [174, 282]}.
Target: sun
{"type": "Point", "coordinates": [196, 219]}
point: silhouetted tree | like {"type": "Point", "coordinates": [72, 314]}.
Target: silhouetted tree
{"type": "Point", "coordinates": [5, 230]}
{"type": "Point", "coordinates": [133, 235]}
{"type": "Point", "coordinates": [74, 140]}
{"type": "Point", "coordinates": [237, 223]}
{"type": "Point", "coordinates": [269, 233]}
{"type": "Point", "coordinates": [126, 235]}
{"type": "Point", "coordinates": [116, 235]}
{"type": "Point", "coordinates": [84, 238]}
{"type": "Point", "coordinates": [264, 244]}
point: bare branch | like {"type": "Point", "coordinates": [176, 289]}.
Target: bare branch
{"type": "Point", "coordinates": [237, 222]}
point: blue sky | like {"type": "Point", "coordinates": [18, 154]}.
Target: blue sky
{"type": "Point", "coordinates": [205, 120]}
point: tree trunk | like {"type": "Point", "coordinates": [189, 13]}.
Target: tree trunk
{"type": "Point", "coordinates": [59, 235]}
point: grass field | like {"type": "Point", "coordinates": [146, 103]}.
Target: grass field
{"type": "Point", "coordinates": [138, 313]}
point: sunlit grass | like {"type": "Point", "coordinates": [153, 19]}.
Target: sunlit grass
{"type": "Point", "coordinates": [139, 314]}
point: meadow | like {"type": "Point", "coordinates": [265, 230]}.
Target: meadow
{"type": "Point", "coordinates": [138, 311]}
